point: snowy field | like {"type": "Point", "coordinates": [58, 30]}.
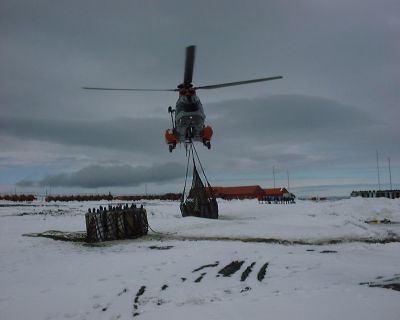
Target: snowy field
{"type": "Point", "coordinates": [327, 267]}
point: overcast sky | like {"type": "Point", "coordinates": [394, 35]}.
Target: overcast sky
{"type": "Point", "coordinates": [336, 105]}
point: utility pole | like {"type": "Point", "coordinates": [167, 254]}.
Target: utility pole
{"type": "Point", "coordinates": [390, 174]}
{"type": "Point", "coordinates": [377, 167]}
{"type": "Point", "coordinates": [288, 185]}
{"type": "Point", "coordinates": [145, 188]}
{"type": "Point", "coordinates": [273, 173]}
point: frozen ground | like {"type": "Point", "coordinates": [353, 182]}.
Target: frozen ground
{"type": "Point", "coordinates": [153, 278]}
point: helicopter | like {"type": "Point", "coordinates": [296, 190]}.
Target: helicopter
{"type": "Point", "coordinates": [188, 117]}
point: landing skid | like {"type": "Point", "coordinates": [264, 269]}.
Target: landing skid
{"type": "Point", "coordinates": [171, 147]}
{"type": "Point", "coordinates": [189, 139]}
{"type": "Point", "coordinates": [207, 143]}
{"type": "Point", "coordinates": [187, 143]}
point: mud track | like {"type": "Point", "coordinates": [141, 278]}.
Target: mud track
{"type": "Point", "coordinates": [81, 236]}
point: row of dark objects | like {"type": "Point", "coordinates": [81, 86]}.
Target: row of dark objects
{"type": "Point", "coordinates": [110, 197]}
{"type": "Point", "coordinates": [92, 197]}
{"type": "Point", "coordinates": [110, 208]}
{"type": "Point", "coordinates": [18, 198]}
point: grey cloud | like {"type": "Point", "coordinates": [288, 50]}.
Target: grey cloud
{"type": "Point", "coordinates": [289, 113]}
{"type": "Point", "coordinates": [292, 119]}
{"type": "Point", "coordinates": [96, 176]}
{"type": "Point", "coordinates": [280, 118]}
{"type": "Point", "coordinates": [290, 129]}
{"type": "Point", "coordinates": [296, 130]}
{"type": "Point", "coordinates": [129, 134]}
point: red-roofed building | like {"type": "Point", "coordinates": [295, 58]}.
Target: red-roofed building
{"type": "Point", "coordinates": [277, 195]}
{"type": "Point", "coordinates": [253, 192]}
{"type": "Point", "coordinates": [275, 192]}
{"type": "Point", "coordinates": [240, 192]}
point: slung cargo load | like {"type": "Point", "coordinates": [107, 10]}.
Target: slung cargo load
{"type": "Point", "coordinates": [200, 201]}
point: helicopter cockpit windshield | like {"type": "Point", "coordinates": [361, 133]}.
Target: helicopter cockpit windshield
{"type": "Point", "coordinates": [188, 104]}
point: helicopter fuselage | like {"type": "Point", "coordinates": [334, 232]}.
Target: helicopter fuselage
{"type": "Point", "coordinates": [189, 117]}
{"type": "Point", "coordinates": [188, 123]}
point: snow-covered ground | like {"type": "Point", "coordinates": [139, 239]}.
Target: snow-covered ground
{"type": "Point", "coordinates": [153, 278]}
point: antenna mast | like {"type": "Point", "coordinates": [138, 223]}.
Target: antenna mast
{"type": "Point", "coordinates": [273, 173]}
{"type": "Point", "coordinates": [390, 174]}
{"type": "Point", "coordinates": [377, 167]}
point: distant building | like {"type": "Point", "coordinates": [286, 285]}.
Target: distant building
{"type": "Point", "coordinates": [391, 194]}
{"type": "Point", "coordinates": [240, 192]}
{"type": "Point", "coordinates": [275, 195]}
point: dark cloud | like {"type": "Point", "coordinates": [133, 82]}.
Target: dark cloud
{"type": "Point", "coordinates": [96, 176]}
{"type": "Point", "coordinates": [292, 130]}
{"type": "Point", "coordinates": [269, 120]}
{"type": "Point", "coordinates": [288, 117]}
{"type": "Point", "coordinates": [297, 130]}
{"type": "Point", "coordinates": [129, 134]}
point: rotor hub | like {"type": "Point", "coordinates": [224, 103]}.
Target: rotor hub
{"type": "Point", "coordinates": [187, 91]}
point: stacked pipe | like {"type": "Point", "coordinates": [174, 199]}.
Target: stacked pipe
{"type": "Point", "coordinates": [116, 222]}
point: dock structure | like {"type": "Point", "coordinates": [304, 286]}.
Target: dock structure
{"type": "Point", "coordinates": [390, 194]}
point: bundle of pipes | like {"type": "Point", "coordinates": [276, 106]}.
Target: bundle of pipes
{"type": "Point", "coordinates": [116, 222]}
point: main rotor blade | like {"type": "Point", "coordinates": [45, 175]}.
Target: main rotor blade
{"type": "Point", "coordinates": [230, 84]}
{"type": "Point", "coordinates": [189, 64]}
{"type": "Point", "coordinates": [122, 89]}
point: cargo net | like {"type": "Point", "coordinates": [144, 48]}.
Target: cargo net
{"type": "Point", "coordinates": [116, 222]}
{"type": "Point", "coordinates": [200, 200]}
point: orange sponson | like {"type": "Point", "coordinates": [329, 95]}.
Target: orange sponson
{"type": "Point", "coordinates": [170, 137]}
{"type": "Point", "coordinates": [207, 133]}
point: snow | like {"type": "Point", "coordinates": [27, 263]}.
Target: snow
{"type": "Point", "coordinates": [45, 279]}
{"type": "Point", "coordinates": [304, 220]}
